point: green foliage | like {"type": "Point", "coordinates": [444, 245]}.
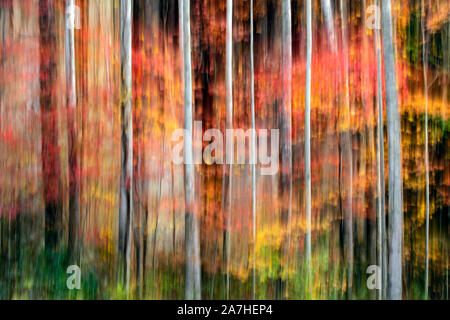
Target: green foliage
{"type": "Point", "coordinates": [412, 38]}
{"type": "Point", "coordinates": [44, 277]}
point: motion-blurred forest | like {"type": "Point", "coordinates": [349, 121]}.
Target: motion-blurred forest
{"type": "Point", "coordinates": [87, 111]}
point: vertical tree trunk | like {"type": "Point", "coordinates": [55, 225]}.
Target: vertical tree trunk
{"type": "Point", "coordinates": [427, 166]}
{"type": "Point", "coordinates": [126, 179]}
{"type": "Point", "coordinates": [368, 166]}
{"type": "Point", "coordinates": [151, 14]}
{"type": "Point", "coordinates": [2, 90]}
{"type": "Point", "coordinates": [181, 40]}
{"type": "Point", "coordinates": [395, 178]}
{"type": "Point", "coordinates": [253, 150]}
{"type": "Point", "coordinates": [2, 62]}
{"type": "Point", "coordinates": [72, 128]}
{"type": "Point", "coordinates": [286, 132]}
{"type": "Point", "coordinates": [382, 257]}
{"type": "Point", "coordinates": [228, 170]}
{"type": "Point", "coordinates": [327, 11]}
{"type": "Point", "coordinates": [140, 195]}
{"type": "Point", "coordinates": [307, 132]}
{"type": "Point", "coordinates": [192, 288]}
{"type": "Point", "coordinates": [347, 150]}
{"type": "Point", "coordinates": [49, 125]}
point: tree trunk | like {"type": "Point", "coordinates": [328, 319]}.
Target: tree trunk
{"type": "Point", "coordinates": [192, 288]}
{"type": "Point", "coordinates": [327, 11]}
{"type": "Point", "coordinates": [285, 117]}
{"type": "Point", "coordinates": [228, 169]}
{"type": "Point", "coordinates": [181, 37]}
{"type": "Point", "coordinates": [286, 134]}
{"type": "Point", "coordinates": [253, 150]}
{"type": "Point", "coordinates": [307, 132]}
{"type": "Point", "coordinates": [49, 125]}
{"type": "Point", "coordinates": [347, 150]}
{"type": "Point", "coordinates": [368, 166]}
{"type": "Point", "coordinates": [2, 90]}
{"type": "Point", "coordinates": [2, 62]}
{"type": "Point", "coordinates": [427, 166]}
{"type": "Point", "coordinates": [72, 128]}
{"type": "Point", "coordinates": [395, 178]}
{"type": "Point", "coordinates": [126, 179]}
{"type": "Point", "coordinates": [382, 256]}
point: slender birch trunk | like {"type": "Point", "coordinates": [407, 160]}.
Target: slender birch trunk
{"type": "Point", "coordinates": [382, 256]}
{"type": "Point", "coordinates": [253, 150]}
{"type": "Point", "coordinates": [427, 166]}
{"type": "Point", "coordinates": [74, 173]}
{"type": "Point", "coordinates": [307, 133]}
{"type": "Point", "coordinates": [192, 283]}
{"type": "Point", "coordinates": [395, 177]}
{"type": "Point", "coordinates": [228, 170]}
{"type": "Point", "coordinates": [126, 178]}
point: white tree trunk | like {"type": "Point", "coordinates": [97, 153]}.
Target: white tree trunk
{"type": "Point", "coordinates": [228, 171]}
{"type": "Point", "coordinates": [126, 174]}
{"type": "Point", "coordinates": [427, 166]}
{"type": "Point", "coordinates": [382, 258]}
{"type": "Point", "coordinates": [192, 239]}
{"type": "Point", "coordinates": [395, 177]}
{"type": "Point", "coordinates": [72, 130]}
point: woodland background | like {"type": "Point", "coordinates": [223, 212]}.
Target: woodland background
{"type": "Point", "coordinates": [61, 163]}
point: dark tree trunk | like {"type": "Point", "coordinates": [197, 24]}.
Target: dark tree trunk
{"type": "Point", "coordinates": [347, 150]}
{"type": "Point", "coordinates": [308, 132]}
{"type": "Point", "coordinates": [49, 125]}
{"type": "Point", "coordinates": [285, 125]}
{"type": "Point", "coordinates": [253, 150]}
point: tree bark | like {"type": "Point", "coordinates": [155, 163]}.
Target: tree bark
{"type": "Point", "coordinates": [228, 168]}
{"type": "Point", "coordinates": [126, 178]}
{"type": "Point", "coordinates": [427, 166]}
{"type": "Point", "coordinates": [382, 256]}
{"type": "Point", "coordinates": [347, 150]}
{"type": "Point", "coordinates": [72, 128]}
{"type": "Point", "coordinates": [308, 132]}
{"type": "Point", "coordinates": [192, 282]}
{"type": "Point", "coordinates": [253, 150]}
{"type": "Point", "coordinates": [285, 126]}
{"type": "Point", "coordinates": [327, 11]}
{"type": "Point", "coordinates": [395, 178]}
{"type": "Point", "coordinates": [49, 125]}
